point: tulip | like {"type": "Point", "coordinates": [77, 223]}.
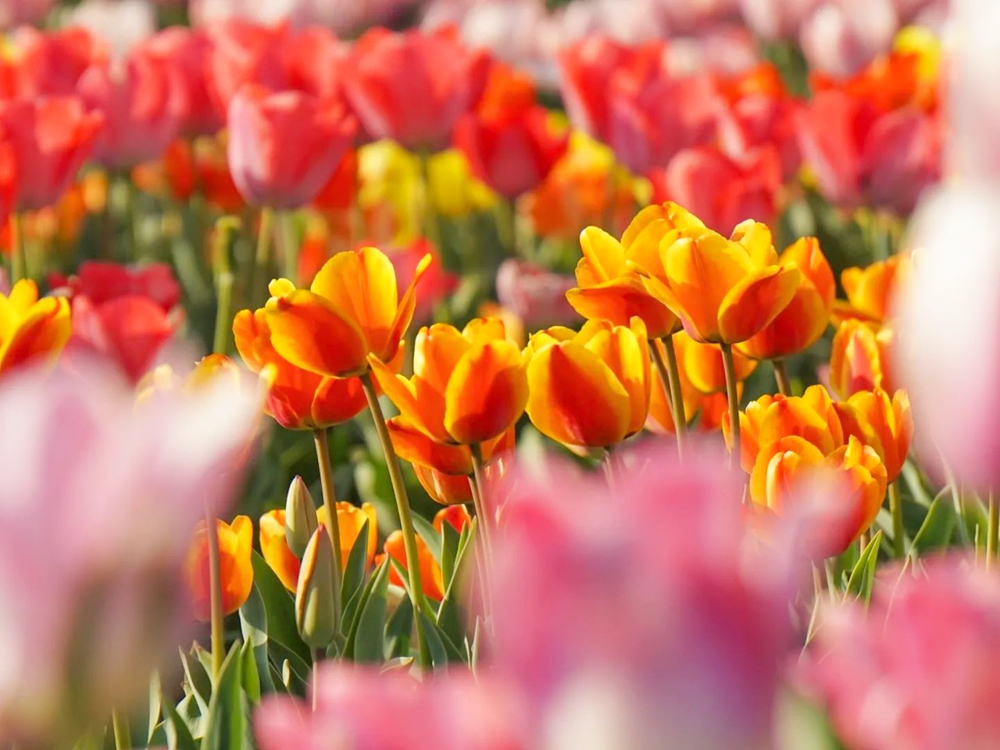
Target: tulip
{"type": "Point", "coordinates": [284, 147]}
{"type": "Point", "coordinates": [349, 312]}
{"type": "Point", "coordinates": [141, 112]}
{"type": "Point", "coordinates": [413, 86]}
{"type": "Point", "coordinates": [317, 593]}
{"type": "Point", "coordinates": [883, 423]}
{"type": "Point", "coordinates": [871, 290]}
{"type": "Point", "coordinates": [702, 365]}
{"type": "Point", "coordinates": [101, 282]}
{"type": "Point", "coordinates": [436, 283]}
{"type": "Point", "coordinates": [724, 291]}
{"type": "Point", "coordinates": [414, 445]}
{"type": "Point", "coordinates": [509, 140]}
{"type": "Point", "coordinates": [32, 330]}
{"type": "Point", "coordinates": [51, 139]}
{"type": "Point", "coordinates": [807, 316]}
{"type": "Point", "coordinates": [468, 387]}
{"type": "Point", "coordinates": [235, 569]}
{"type": "Point", "coordinates": [590, 388]}
{"type": "Point", "coordinates": [296, 398]}
{"type": "Point", "coordinates": [185, 52]}
{"type": "Point", "coordinates": [861, 358]}
{"type": "Point", "coordinates": [275, 550]}
{"type": "Point", "coordinates": [720, 189]}
{"type": "Point", "coordinates": [50, 63]}
{"type": "Point", "coordinates": [241, 53]}
{"type": "Point", "coordinates": [24, 12]}
{"type": "Point", "coordinates": [929, 638]}
{"type": "Point", "coordinates": [854, 476]}
{"type": "Point", "coordinates": [300, 519]}
{"type": "Point", "coordinates": [430, 571]}
{"type": "Point", "coordinates": [456, 516]}
{"type": "Point", "coordinates": [534, 294]}
{"type": "Point", "coordinates": [452, 490]}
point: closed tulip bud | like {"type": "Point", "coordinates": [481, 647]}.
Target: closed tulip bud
{"type": "Point", "coordinates": [300, 516]}
{"type": "Point", "coordinates": [316, 606]}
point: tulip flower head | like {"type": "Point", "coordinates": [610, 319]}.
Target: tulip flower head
{"type": "Point", "coordinates": [871, 290]}
{"type": "Point", "coordinates": [883, 422]}
{"type": "Point", "coordinates": [430, 571]}
{"type": "Point", "coordinates": [235, 569]}
{"type": "Point", "coordinates": [32, 330]}
{"type": "Point", "coordinates": [861, 358]}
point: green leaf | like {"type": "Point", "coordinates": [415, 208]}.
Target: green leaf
{"type": "Point", "coordinates": [369, 638]}
{"type": "Point", "coordinates": [863, 575]}
{"type": "Point", "coordinates": [350, 637]}
{"type": "Point", "coordinates": [251, 677]}
{"type": "Point", "coordinates": [354, 573]}
{"type": "Point", "coordinates": [197, 682]}
{"type": "Point", "coordinates": [178, 735]}
{"type": "Point", "coordinates": [399, 629]}
{"type": "Point", "coordinates": [429, 534]}
{"type": "Point", "coordinates": [279, 608]}
{"type": "Point", "coordinates": [936, 530]}
{"type": "Point", "coordinates": [449, 551]}
{"type": "Point", "coordinates": [253, 624]}
{"type": "Point", "coordinates": [227, 725]}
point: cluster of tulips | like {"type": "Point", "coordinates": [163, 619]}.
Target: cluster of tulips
{"type": "Point", "coordinates": [519, 429]}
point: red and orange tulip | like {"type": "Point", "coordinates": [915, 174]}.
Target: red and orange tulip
{"type": "Point", "coordinates": [430, 571]}
{"type": "Point", "coordinates": [455, 515]}
{"type": "Point", "coordinates": [881, 422]}
{"type": "Point", "coordinates": [861, 358]}
{"type": "Point", "coordinates": [701, 364]}
{"type": "Point", "coordinates": [871, 290]}
{"type": "Point", "coordinates": [31, 329]}
{"type": "Point", "coordinates": [592, 388]}
{"type": "Point", "coordinates": [235, 568]}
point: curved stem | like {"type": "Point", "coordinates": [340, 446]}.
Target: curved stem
{"type": "Point", "coordinates": [405, 516]}
{"type": "Point", "coordinates": [896, 509]}
{"type": "Point", "coordinates": [18, 259]}
{"type": "Point", "coordinates": [330, 503]}
{"type": "Point", "coordinates": [781, 377]}
{"type": "Point", "coordinates": [733, 400]}
{"type": "Point", "coordinates": [215, 596]}
{"type": "Point", "coordinates": [670, 381]}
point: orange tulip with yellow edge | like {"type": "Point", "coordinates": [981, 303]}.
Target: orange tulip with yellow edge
{"type": "Point", "coordinates": [430, 571]}
{"type": "Point", "coordinates": [31, 329]}
{"type": "Point", "coordinates": [607, 286]}
{"type": "Point", "coordinates": [871, 290]}
{"type": "Point", "coordinates": [702, 364]}
{"type": "Point", "coordinates": [813, 416]}
{"type": "Point", "coordinates": [592, 388]}
{"type": "Point", "coordinates": [235, 567]}
{"type": "Point", "coordinates": [284, 563]}
{"type": "Point", "coordinates": [468, 387]}
{"type": "Point", "coordinates": [855, 474]}
{"type": "Point", "coordinates": [861, 358]}
{"type": "Point", "coordinates": [351, 311]}
{"type": "Point", "coordinates": [723, 290]}
{"type": "Point", "coordinates": [457, 516]}
{"type": "Point", "coordinates": [297, 399]}
{"type": "Point", "coordinates": [807, 316]}
{"type": "Point", "coordinates": [882, 422]}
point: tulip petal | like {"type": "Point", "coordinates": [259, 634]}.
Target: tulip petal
{"type": "Point", "coordinates": [486, 392]}
{"type": "Point", "coordinates": [312, 334]}
{"type": "Point", "coordinates": [621, 299]}
{"type": "Point", "coordinates": [42, 332]}
{"type": "Point", "coordinates": [604, 254]}
{"type": "Point", "coordinates": [404, 312]}
{"type": "Point", "coordinates": [755, 301]}
{"type": "Point", "coordinates": [413, 446]}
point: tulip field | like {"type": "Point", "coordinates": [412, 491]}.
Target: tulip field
{"type": "Point", "coordinates": [499, 375]}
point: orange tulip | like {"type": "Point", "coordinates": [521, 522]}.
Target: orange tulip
{"type": "Point", "coordinates": [350, 311]}
{"type": "Point", "coordinates": [445, 489]}
{"type": "Point", "coordinates": [31, 329]}
{"type": "Point", "coordinates": [813, 417]}
{"type": "Point", "coordinates": [235, 567]}
{"type": "Point", "coordinates": [702, 364]}
{"type": "Point", "coordinates": [468, 387]}
{"type": "Point", "coordinates": [884, 424]}
{"type": "Point", "coordinates": [783, 469]}
{"type": "Point", "coordinates": [799, 325]}
{"type": "Point", "coordinates": [284, 563]}
{"type": "Point", "coordinates": [723, 290]}
{"type": "Point", "coordinates": [871, 290]}
{"type": "Point", "coordinates": [860, 358]}
{"type": "Point", "coordinates": [430, 571]}
{"type": "Point", "coordinates": [608, 289]}
{"type": "Point", "coordinates": [455, 515]}
{"type": "Point", "coordinates": [296, 398]}
{"type": "Point", "coordinates": [591, 388]}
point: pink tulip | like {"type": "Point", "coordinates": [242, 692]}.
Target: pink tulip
{"type": "Point", "coordinates": [185, 53]}
{"type": "Point", "coordinates": [536, 295]}
{"type": "Point", "coordinates": [692, 17]}
{"type": "Point", "coordinates": [413, 86]}
{"type": "Point", "coordinates": [142, 110]}
{"type": "Point", "coordinates": [842, 36]}
{"type": "Point", "coordinates": [435, 285]}
{"type": "Point", "coordinates": [16, 12]}
{"type": "Point", "coordinates": [284, 147]}
{"type": "Point", "coordinates": [920, 670]}
{"type": "Point", "coordinates": [102, 281]}
{"type": "Point", "coordinates": [99, 501]}
{"type": "Point", "coordinates": [640, 618]}
{"type": "Point", "coordinates": [240, 53]}
{"type": "Point", "coordinates": [50, 63]}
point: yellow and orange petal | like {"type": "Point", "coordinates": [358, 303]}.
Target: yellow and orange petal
{"type": "Point", "coordinates": [430, 572]}
{"type": "Point", "coordinates": [235, 566]}
{"type": "Point", "coordinates": [275, 551]}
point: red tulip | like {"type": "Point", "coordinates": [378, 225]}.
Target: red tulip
{"type": "Point", "coordinates": [101, 281]}
{"type": "Point", "coordinates": [141, 112]}
{"type": "Point", "coordinates": [241, 53]}
{"type": "Point", "coordinates": [186, 53]}
{"type": "Point", "coordinates": [314, 60]}
{"type": "Point", "coordinates": [413, 86]}
{"type": "Point", "coordinates": [284, 147]}
{"type": "Point", "coordinates": [51, 139]}
{"type": "Point", "coordinates": [510, 142]}
{"type": "Point", "coordinates": [50, 63]}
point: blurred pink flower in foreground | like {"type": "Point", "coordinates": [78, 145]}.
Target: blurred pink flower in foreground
{"type": "Point", "coordinates": [949, 331]}
{"type": "Point", "coordinates": [920, 670]}
{"type": "Point", "coordinates": [16, 12]}
{"type": "Point", "coordinates": [536, 295]}
{"type": "Point", "coordinates": [97, 507]}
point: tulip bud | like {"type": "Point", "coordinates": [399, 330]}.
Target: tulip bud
{"type": "Point", "coordinates": [316, 610]}
{"type": "Point", "coordinates": [300, 517]}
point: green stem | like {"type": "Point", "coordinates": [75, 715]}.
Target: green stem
{"type": "Point", "coordinates": [223, 285]}
{"type": "Point", "coordinates": [670, 381]}
{"type": "Point", "coordinates": [287, 245]}
{"type": "Point", "coordinates": [120, 728]}
{"type": "Point", "coordinates": [781, 377]}
{"type": "Point", "coordinates": [898, 532]}
{"type": "Point", "coordinates": [330, 503]}
{"type": "Point", "coordinates": [262, 255]}
{"type": "Point", "coordinates": [479, 500]}
{"type": "Point", "coordinates": [405, 517]}
{"type": "Point", "coordinates": [432, 222]}
{"type": "Point", "coordinates": [733, 400]}
{"type": "Point", "coordinates": [18, 259]}
{"type": "Point", "coordinates": [215, 597]}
